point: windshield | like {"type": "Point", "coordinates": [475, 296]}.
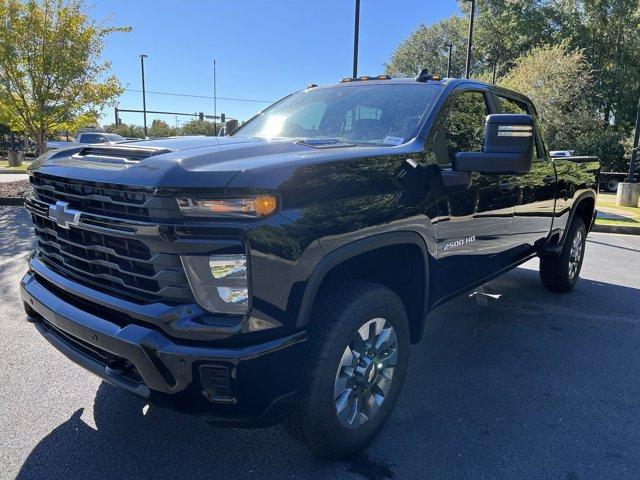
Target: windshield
{"type": "Point", "coordinates": [359, 114]}
{"type": "Point", "coordinates": [112, 137]}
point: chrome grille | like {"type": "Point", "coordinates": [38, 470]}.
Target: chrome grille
{"type": "Point", "coordinates": [122, 267]}
{"type": "Point", "coordinates": [101, 199]}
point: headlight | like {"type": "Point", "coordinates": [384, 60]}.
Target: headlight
{"type": "Point", "coordinates": [219, 283]}
{"type": "Point", "coordinates": [251, 206]}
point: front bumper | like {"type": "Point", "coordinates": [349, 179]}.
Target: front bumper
{"type": "Point", "coordinates": [262, 379]}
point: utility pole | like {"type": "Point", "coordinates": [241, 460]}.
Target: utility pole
{"type": "Point", "coordinates": [467, 71]}
{"type": "Point", "coordinates": [144, 95]}
{"type": "Point", "coordinates": [450, 47]}
{"type": "Point", "coordinates": [215, 100]}
{"type": "Point", "coordinates": [356, 34]}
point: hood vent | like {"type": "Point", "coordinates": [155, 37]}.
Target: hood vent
{"type": "Point", "coordinates": [118, 154]}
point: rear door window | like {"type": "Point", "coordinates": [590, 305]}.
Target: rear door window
{"type": "Point", "coordinates": [509, 105]}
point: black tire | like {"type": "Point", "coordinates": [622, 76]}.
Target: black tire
{"type": "Point", "coordinates": [612, 184]}
{"type": "Point", "coordinates": [559, 273]}
{"type": "Point", "coordinates": [338, 314]}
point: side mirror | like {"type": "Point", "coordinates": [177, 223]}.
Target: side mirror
{"type": "Point", "coordinates": [508, 147]}
{"type": "Point", "coordinates": [229, 126]}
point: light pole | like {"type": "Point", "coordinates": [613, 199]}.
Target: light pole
{"type": "Point", "coordinates": [467, 71]}
{"type": "Point", "coordinates": [450, 47]}
{"type": "Point", "coordinates": [356, 33]}
{"type": "Point", "coordinates": [215, 101]}
{"type": "Point", "coordinates": [631, 178]}
{"type": "Point", "coordinates": [629, 192]}
{"type": "Point", "coordinates": [144, 94]}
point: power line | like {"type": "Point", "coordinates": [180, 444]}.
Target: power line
{"type": "Point", "coordinates": [173, 94]}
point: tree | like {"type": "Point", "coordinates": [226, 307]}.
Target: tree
{"type": "Point", "coordinates": [504, 31]}
{"type": "Point", "coordinates": [52, 78]}
{"type": "Point", "coordinates": [126, 130]}
{"type": "Point", "coordinates": [425, 48]}
{"type": "Point", "coordinates": [608, 32]}
{"type": "Point", "coordinates": [160, 128]}
{"type": "Point", "coordinates": [558, 80]}
{"type": "Point", "coordinates": [199, 127]}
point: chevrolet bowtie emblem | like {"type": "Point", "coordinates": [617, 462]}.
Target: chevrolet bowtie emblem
{"type": "Point", "coordinates": [64, 216]}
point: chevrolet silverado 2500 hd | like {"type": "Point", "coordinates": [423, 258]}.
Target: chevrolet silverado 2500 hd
{"type": "Point", "coordinates": [282, 272]}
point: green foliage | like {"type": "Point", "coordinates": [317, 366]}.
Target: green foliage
{"type": "Point", "coordinates": [506, 30]}
{"type": "Point", "coordinates": [197, 127]}
{"type": "Point", "coordinates": [559, 82]}
{"type": "Point", "coordinates": [126, 130]}
{"type": "Point", "coordinates": [608, 32]}
{"type": "Point", "coordinates": [52, 75]}
{"type": "Point", "coordinates": [160, 128]}
{"type": "Point", "coordinates": [425, 48]}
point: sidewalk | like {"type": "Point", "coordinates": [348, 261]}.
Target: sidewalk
{"type": "Point", "coordinates": [12, 177]}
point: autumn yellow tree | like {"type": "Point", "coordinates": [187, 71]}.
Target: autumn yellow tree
{"type": "Point", "coordinates": [51, 75]}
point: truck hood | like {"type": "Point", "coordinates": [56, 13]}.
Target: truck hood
{"type": "Point", "coordinates": [181, 162]}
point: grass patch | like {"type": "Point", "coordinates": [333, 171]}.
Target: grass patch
{"type": "Point", "coordinates": [4, 165]}
{"type": "Point", "coordinates": [623, 222]}
{"type": "Point", "coordinates": [610, 201]}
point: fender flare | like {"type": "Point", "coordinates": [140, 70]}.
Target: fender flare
{"type": "Point", "coordinates": [576, 203]}
{"type": "Point", "coordinates": [352, 250]}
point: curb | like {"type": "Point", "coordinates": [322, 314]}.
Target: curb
{"type": "Point", "coordinates": [13, 172]}
{"type": "Point", "coordinates": [616, 229]}
{"type": "Point", "coordinates": [14, 201]}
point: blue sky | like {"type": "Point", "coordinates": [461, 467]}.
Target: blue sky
{"type": "Point", "coordinates": [264, 49]}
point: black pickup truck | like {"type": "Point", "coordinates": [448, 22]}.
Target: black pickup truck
{"type": "Point", "coordinates": [282, 272]}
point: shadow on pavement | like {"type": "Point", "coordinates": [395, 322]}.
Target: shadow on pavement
{"type": "Point", "coordinates": [529, 386]}
{"type": "Point", "coordinates": [16, 234]}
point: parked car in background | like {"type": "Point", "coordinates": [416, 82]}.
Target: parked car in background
{"type": "Point", "coordinates": [562, 153]}
{"type": "Point", "coordinates": [282, 272]}
{"type": "Point", "coordinates": [87, 138]}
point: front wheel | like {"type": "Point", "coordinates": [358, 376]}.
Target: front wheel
{"type": "Point", "coordinates": [358, 355]}
{"type": "Point", "coordinates": [559, 273]}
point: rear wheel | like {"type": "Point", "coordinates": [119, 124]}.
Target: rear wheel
{"type": "Point", "coordinates": [612, 184]}
{"type": "Point", "coordinates": [359, 350]}
{"type": "Point", "coordinates": [559, 273]}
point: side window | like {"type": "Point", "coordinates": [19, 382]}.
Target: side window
{"type": "Point", "coordinates": [464, 127]}
{"type": "Point", "coordinates": [509, 105]}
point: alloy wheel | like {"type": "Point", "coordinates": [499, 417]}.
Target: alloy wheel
{"type": "Point", "coordinates": [575, 254]}
{"type": "Point", "coordinates": [365, 372]}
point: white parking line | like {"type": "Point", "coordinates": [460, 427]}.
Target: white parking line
{"type": "Point", "coordinates": [22, 256]}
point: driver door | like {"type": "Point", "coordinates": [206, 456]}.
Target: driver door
{"type": "Point", "coordinates": [473, 224]}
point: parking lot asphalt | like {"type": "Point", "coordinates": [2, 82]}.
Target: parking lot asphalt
{"type": "Point", "coordinates": [533, 385]}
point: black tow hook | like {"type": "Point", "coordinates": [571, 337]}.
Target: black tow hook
{"type": "Point", "coordinates": [117, 367]}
